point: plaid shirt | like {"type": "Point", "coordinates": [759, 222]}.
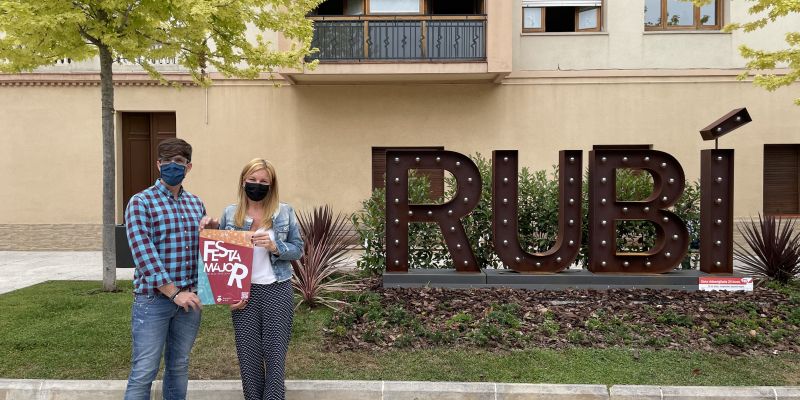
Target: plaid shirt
{"type": "Point", "coordinates": [163, 234]}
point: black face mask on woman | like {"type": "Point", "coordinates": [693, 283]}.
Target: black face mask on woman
{"type": "Point", "coordinates": [256, 191]}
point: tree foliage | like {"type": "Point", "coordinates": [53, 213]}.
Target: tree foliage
{"type": "Point", "coordinates": [198, 33]}
{"type": "Point", "coordinates": [766, 12]}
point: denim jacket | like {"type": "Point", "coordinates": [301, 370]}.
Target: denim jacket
{"type": "Point", "coordinates": [287, 237]}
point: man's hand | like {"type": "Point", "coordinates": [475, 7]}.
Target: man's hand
{"type": "Point", "coordinates": [209, 223]}
{"type": "Point", "coordinates": [188, 300]}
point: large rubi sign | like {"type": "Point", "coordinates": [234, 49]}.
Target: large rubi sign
{"type": "Point", "coordinates": [226, 266]}
{"type": "Point", "coordinates": [672, 236]}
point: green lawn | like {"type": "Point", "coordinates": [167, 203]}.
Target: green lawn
{"type": "Point", "coordinates": [71, 330]}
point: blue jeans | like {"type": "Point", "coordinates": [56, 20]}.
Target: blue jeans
{"type": "Point", "coordinates": [159, 326]}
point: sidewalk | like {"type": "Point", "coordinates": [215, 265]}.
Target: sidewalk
{"type": "Point", "coordinates": [19, 269]}
{"type": "Point", "coordinates": [388, 390]}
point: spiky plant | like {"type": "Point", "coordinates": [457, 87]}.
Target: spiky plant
{"type": "Point", "coordinates": [324, 253]}
{"type": "Point", "coordinates": [773, 248]}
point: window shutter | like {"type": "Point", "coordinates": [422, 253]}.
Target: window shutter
{"type": "Point", "coordinates": [562, 3]}
{"type": "Point", "coordinates": [781, 179]}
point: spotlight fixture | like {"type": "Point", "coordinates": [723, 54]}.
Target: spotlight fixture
{"type": "Point", "coordinates": [726, 124]}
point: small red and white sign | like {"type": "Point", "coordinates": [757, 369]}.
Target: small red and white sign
{"type": "Point", "coordinates": [733, 284]}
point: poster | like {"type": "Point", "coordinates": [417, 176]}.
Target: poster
{"type": "Point", "coordinates": [226, 260]}
{"type": "Point", "coordinates": [710, 283]}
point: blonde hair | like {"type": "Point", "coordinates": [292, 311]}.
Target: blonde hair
{"type": "Point", "coordinates": [270, 203]}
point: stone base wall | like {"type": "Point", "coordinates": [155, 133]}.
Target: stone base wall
{"type": "Point", "coordinates": [50, 237]}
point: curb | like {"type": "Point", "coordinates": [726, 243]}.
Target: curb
{"type": "Point", "coordinates": [704, 392]}
{"type": "Point", "coordinates": [19, 389]}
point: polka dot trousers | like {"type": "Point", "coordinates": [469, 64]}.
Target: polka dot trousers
{"type": "Point", "coordinates": [262, 330]}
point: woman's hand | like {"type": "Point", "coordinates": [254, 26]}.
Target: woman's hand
{"type": "Point", "coordinates": [238, 306]}
{"type": "Point", "coordinates": [209, 223]}
{"type": "Point", "coordinates": [262, 239]}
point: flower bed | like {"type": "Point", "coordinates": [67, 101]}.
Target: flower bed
{"type": "Point", "coordinates": [766, 321]}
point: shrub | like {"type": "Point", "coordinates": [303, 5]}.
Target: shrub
{"type": "Point", "coordinates": [397, 316]}
{"type": "Point", "coordinates": [460, 321]}
{"type": "Point", "coordinates": [504, 315]}
{"type": "Point", "coordinates": [670, 317]}
{"type": "Point", "coordinates": [443, 337]}
{"type": "Point", "coordinates": [324, 252]}
{"type": "Point", "coordinates": [425, 242]}
{"type": "Point", "coordinates": [549, 327]}
{"type": "Point", "coordinates": [773, 248]}
{"type": "Point", "coordinates": [576, 337]}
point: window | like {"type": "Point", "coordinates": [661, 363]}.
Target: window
{"type": "Point", "coordinates": [782, 179]}
{"type": "Point", "coordinates": [450, 7]}
{"type": "Point", "coordinates": [339, 7]}
{"type": "Point", "coordinates": [561, 16]}
{"type": "Point", "coordinates": [677, 15]}
{"type": "Point", "coordinates": [397, 7]}
{"type": "Point", "coordinates": [394, 6]}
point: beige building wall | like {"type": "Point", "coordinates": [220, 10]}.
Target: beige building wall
{"type": "Point", "coordinates": [624, 44]}
{"type": "Point", "coordinates": [50, 158]}
{"type": "Point", "coordinates": [320, 137]}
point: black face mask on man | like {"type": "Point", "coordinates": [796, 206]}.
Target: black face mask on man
{"type": "Point", "coordinates": [256, 191]}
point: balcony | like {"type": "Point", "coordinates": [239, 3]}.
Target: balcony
{"type": "Point", "coordinates": [388, 41]}
{"type": "Point", "coordinates": [400, 38]}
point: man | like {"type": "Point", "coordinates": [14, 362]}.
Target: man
{"type": "Point", "coordinates": [163, 222]}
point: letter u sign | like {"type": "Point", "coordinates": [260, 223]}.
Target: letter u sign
{"type": "Point", "coordinates": [672, 236]}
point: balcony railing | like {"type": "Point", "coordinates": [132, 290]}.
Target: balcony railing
{"type": "Point", "coordinates": [417, 38]}
{"type": "Point", "coordinates": [92, 65]}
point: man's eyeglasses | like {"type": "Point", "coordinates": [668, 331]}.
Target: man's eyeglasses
{"type": "Point", "coordinates": [180, 160]}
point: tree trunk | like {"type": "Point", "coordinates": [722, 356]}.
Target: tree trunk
{"type": "Point", "coordinates": [109, 167]}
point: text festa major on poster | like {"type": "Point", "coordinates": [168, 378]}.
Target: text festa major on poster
{"type": "Point", "coordinates": [226, 260]}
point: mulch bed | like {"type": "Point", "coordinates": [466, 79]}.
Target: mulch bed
{"type": "Point", "coordinates": [761, 322]}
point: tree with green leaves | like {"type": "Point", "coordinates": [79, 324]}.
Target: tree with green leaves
{"type": "Point", "coordinates": [199, 34]}
{"type": "Point", "coordinates": [767, 11]}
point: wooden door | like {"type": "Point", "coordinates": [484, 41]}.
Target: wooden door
{"type": "Point", "coordinates": [141, 134]}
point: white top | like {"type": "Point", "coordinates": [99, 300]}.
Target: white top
{"type": "Point", "coordinates": [262, 266]}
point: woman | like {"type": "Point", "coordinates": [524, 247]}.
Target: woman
{"type": "Point", "coordinates": [263, 324]}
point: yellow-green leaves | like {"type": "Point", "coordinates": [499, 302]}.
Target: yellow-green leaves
{"type": "Point", "coordinates": [199, 34]}
{"type": "Point", "coordinates": [767, 11]}
{"type": "Point", "coordinates": [36, 33]}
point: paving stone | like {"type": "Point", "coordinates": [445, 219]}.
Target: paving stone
{"type": "Point", "coordinates": [438, 391]}
{"type": "Point", "coordinates": [19, 269]}
{"type": "Point", "coordinates": [717, 393]}
{"type": "Point", "coordinates": [19, 389]}
{"type": "Point", "coordinates": [29, 237]}
{"type": "Point", "coordinates": [788, 393]}
{"type": "Point", "coordinates": [82, 389]}
{"type": "Point", "coordinates": [333, 390]}
{"type": "Point", "coordinates": [623, 392]}
{"type": "Point", "coordinates": [554, 392]}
